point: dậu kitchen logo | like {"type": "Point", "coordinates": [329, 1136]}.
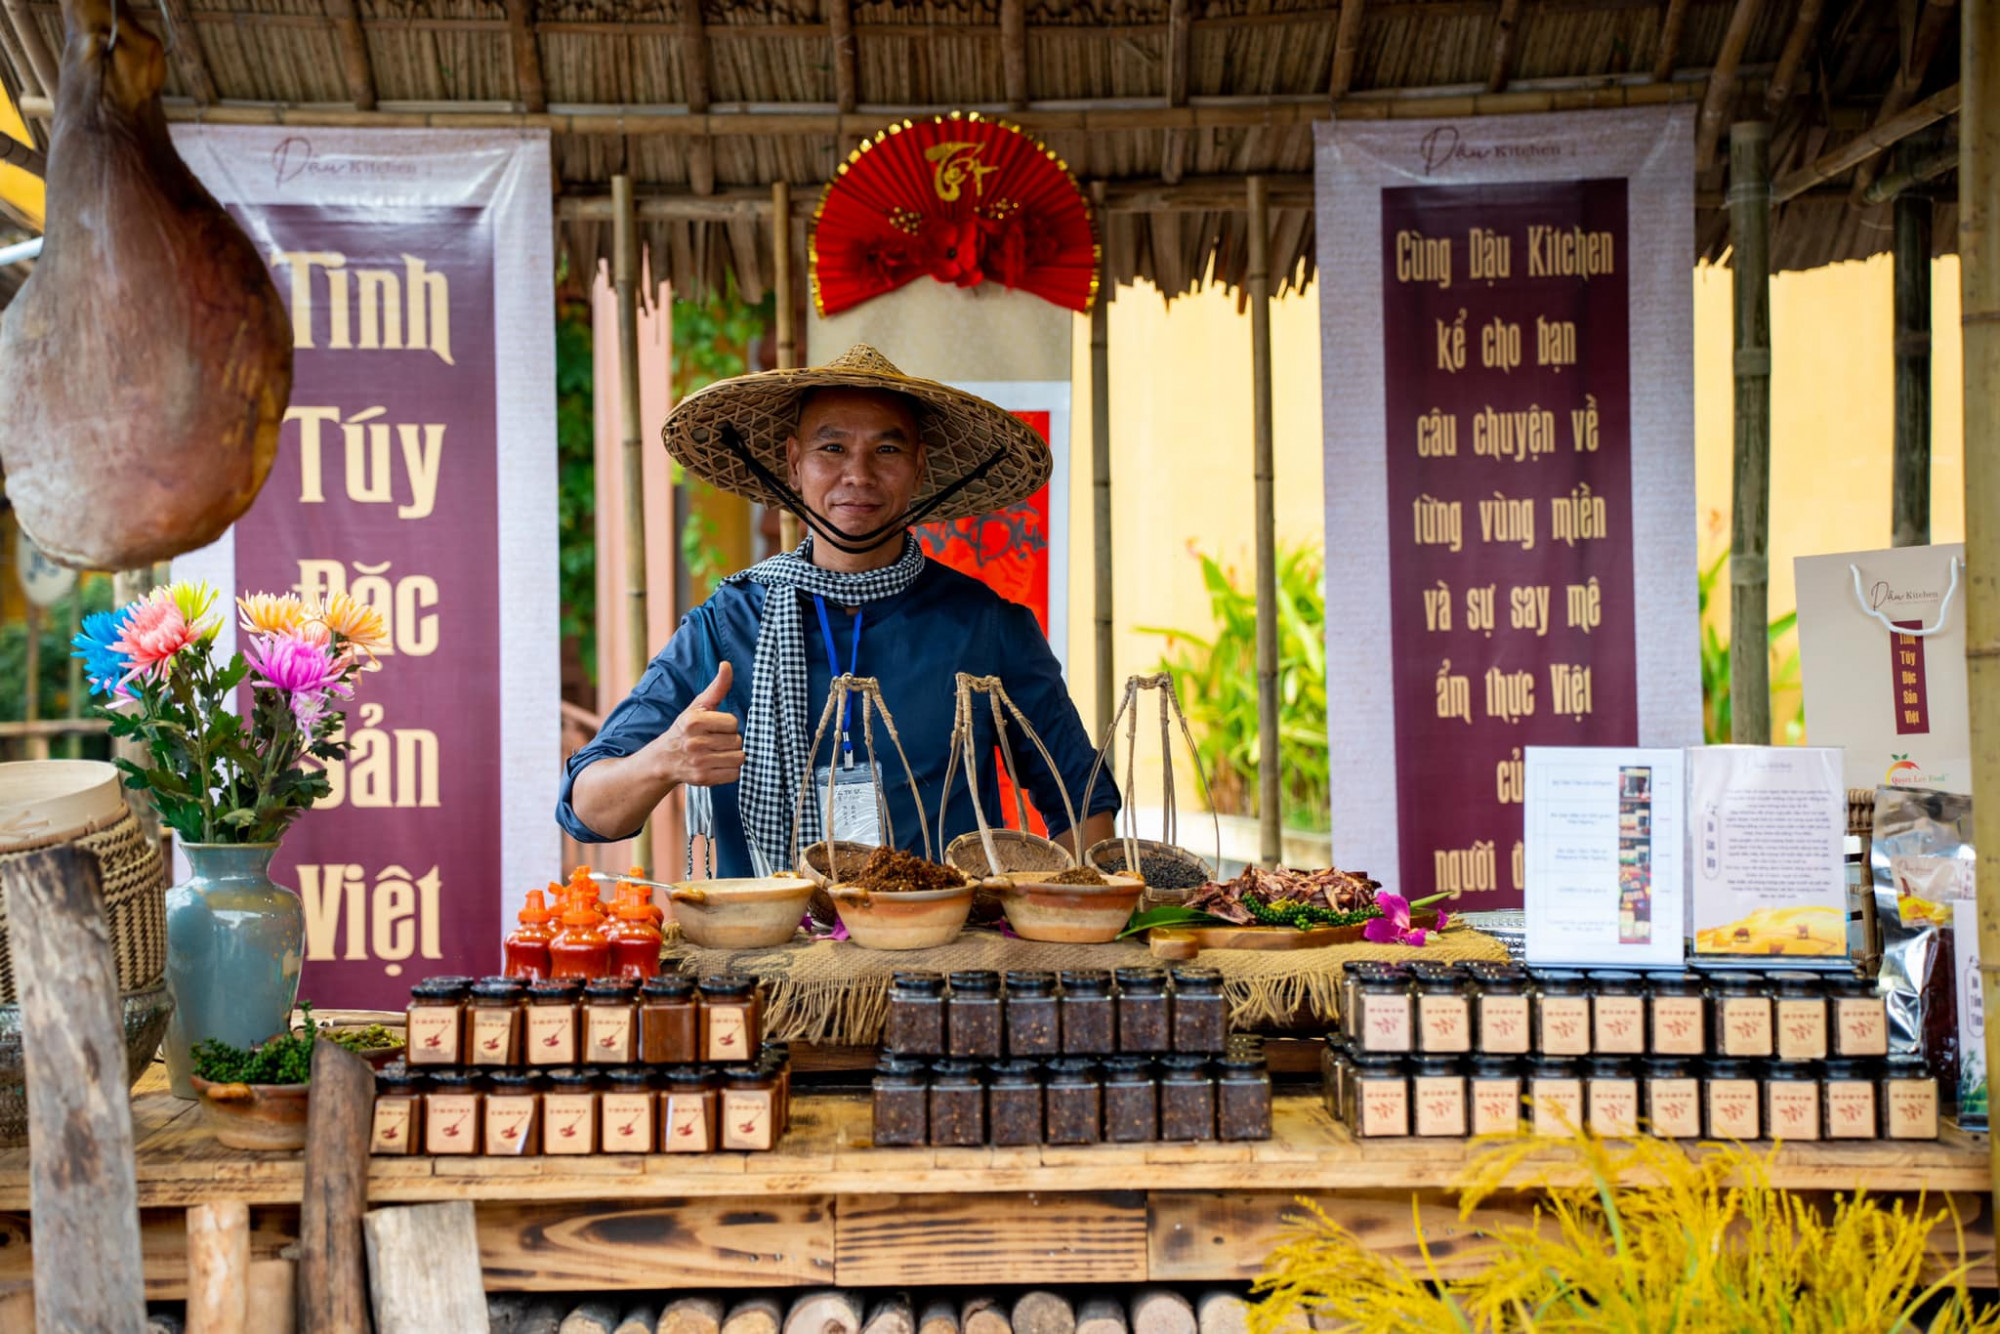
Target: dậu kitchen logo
{"type": "Point", "coordinates": [1446, 146]}
{"type": "Point", "coordinates": [295, 156]}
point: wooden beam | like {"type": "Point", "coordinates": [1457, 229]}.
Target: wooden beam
{"type": "Point", "coordinates": [186, 43]}
{"type": "Point", "coordinates": [1257, 282]}
{"type": "Point", "coordinates": [1883, 134]}
{"type": "Point", "coordinates": [625, 282]}
{"type": "Point", "coordinates": [83, 1178]}
{"type": "Point", "coordinates": [41, 61]}
{"type": "Point", "coordinates": [532, 92]}
{"type": "Point", "coordinates": [1014, 52]}
{"type": "Point", "coordinates": [1100, 479]}
{"type": "Point", "coordinates": [784, 284]}
{"type": "Point", "coordinates": [423, 1268]}
{"type": "Point", "coordinates": [1779, 90]}
{"type": "Point", "coordinates": [355, 64]}
{"type": "Point", "coordinates": [1933, 21]}
{"type": "Point", "coordinates": [1915, 170]}
{"type": "Point", "coordinates": [694, 73]}
{"type": "Point", "coordinates": [1910, 470]}
{"type": "Point", "coordinates": [840, 31]}
{"type": "Point", "coordinates": [333, 1274]}
{"type": "Point", "coordinates": [1749, 564]}
{"type": "Point", "coordinates": [1720, 95]}
{"type": "Point", "coordinates": [17, 154]}
{"type": "Point", "coordinates": [1671, 23]}
{"type": "Point", "coordinates": [1180, 31]}
{"type": "Point", "coordinates": [1504, 24]}
{"type": "Point", "coordinates": [1195, 194]}
{"type": "Point", "coordinates": [1346, 47]}
{"type": "Point", "coordinates": [218, 1245]}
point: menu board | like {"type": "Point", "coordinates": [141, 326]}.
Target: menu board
{"type": "Point", "coordinates": [1606, 836]}
{"type": "Point", "coordinates": [1502, 443]}
{"type": "Point", "coordinates": [1768, 829]}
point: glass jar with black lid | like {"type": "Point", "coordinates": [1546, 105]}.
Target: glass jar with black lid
{"type": "Point", "coordinates": [1791, 1100]}
{"type": "Point", "coordinates": [1617, 1013]}
{"type": "Point", "coordinates": [1073, 1101]}
{"type": "Point", "coordinates": [1611, 1097]}
{"type": "Point", "coordinates": [669, 1020]}
{"type": "Point", "coordinates": [1800, 1023]}
{"type": "Point", "coordinates": [569, 1111]}
{"type": "Point", "coordinates": [1242, 1098]}
{"type": "Point", "coordinates": [553, 1024]}
{"type": "Point", "coordinates": [1378, 1097]}
{"type": "Point", "coordinates": [1384, 1011]}
{"type": "Point", "coordinates": [1335, 1069]}
{"type": "Point", "coordinates": [398, 1125]}
{"type": "Point", "coordinates": [1131, 1100]}
{"type": "Point", "coordinates": [1089, 1014]}
{"type": "Point", "coordinates": [957, 1105]}
{"type": "Point", "coordinates": [1849, 1099]}
{"type": "Point", "coordinates": [1187, 1099]}
{"type": "Point", "coordinates": [1732, 1099]}
{"type": "Point", "coordinates": [1555, 1095]}
{"type": "Point", "coordinates": [1014, 1102]}
{"type": "Point", "coordinates": [1493, 1094]}
{"type": "Point", "coordinates": [1201, 1011]}
{"type": "Point", "coordinates": [1437, 1095]}
{"type": "Point", "coordinates": [493, 1022]}
{"type": "Point", "coordinates": [1351, 977]}
{"type": "Point", "coordinates": [1742, 1016]}
{"type": "Point", "coordinates": [972, 1029]}
{"type": "Point", "coordinates": [1860, 1022]}
{"type": "Point", "coordinates": [1671, 1097]}
{"type": "Point", "coordinates": [1909, 1099]}
{"type": "Point", "coordinates": [1444, 1011]}
{"type": "Point", "coordinates": [1677, 1014]}
{"type": "Point", "coordinates": [434, 1023]}
{"type": "Point", "coordinates": [1033, 1028]}
{"type": "Point", "coordinates": [1562, 1012]}
{"type": "Point", "coordinates": [690, 1109]}
{"type": "Point", "coordinates": [1502, 1010]}
{"type": "Point", "coordinates": [1142, 1011]}
{"type": "Point", "coordinates": [915, 1026]}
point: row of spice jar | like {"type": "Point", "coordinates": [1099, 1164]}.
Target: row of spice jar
{"type": "Point", "coordinates": [1082, 1012]}
{"type": "Point", "coordinates": [504, 1022]}
{"type": "Point", "coordinates": [1125, 1099]}
{"type": "Point", "coordinates": [1615, 1097]}
{"type": "Point", "coordinates": [583, 1110]}
{"type": "Point", "coordinates": [1507, 1010]}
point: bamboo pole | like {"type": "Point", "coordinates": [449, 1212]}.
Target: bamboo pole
{"type": "Point", "coordinates": [1749, 569]}
{"type": "Point", "coordinates": [625, 277]}
{"type": "Point", "coordinates": [788, 324]}
{"type": "Point", "coordinates": [1100, 474]}
{"type": "Point", "coordinates": [1979, 307]}
{"type": "Point", "coordinates": [1270, 815]}
{"type": "Point", "coordinates": [1910, 503]}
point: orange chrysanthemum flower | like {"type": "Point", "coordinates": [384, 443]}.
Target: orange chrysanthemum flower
{"type": "Point", "coordinates": [271, 613]}
{"type": "Point", "coordinates": [356, 622]}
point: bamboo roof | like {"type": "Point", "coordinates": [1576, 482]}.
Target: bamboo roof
{"type": "Point", "coordinates": [1169, 103]}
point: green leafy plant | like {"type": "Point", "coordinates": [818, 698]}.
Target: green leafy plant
{"type": "Point", "coordinates": [53, 699]}
{"type": "Point", "coordinates": [1216, 678]}
{"type": "Point", "coordinates": [286, 1059]}
{"type": "Point", "coordinates": [1715, 701]}
{"type": "Point", "coordinates": [713, 338]}
{"type": "Point", "coordinates": [576, 480]}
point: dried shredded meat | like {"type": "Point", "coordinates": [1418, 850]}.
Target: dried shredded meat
{"type": "Point", "coordinates": [1332, 889]}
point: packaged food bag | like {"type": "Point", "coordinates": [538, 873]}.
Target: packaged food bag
{"type": "Point", "coordinates": [1922, 861]}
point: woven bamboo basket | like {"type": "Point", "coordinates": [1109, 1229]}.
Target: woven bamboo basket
{"type": "Point", "coordinates": [815, 864]}
{"type": "Point", "coordinates": [1109, 856]}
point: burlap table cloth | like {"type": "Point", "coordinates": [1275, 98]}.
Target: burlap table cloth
{"type": "Point", "coordinates": [838, 993]}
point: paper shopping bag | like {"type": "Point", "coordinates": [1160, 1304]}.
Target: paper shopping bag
{"type": "Point", "coordinates": [1882, 660]}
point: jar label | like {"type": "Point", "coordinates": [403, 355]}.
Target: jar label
{"type": "Point", "coordinates": [1850, 1109]}
{"type": "Point", "coordinates": [746, 1120]}
{"type": "Point", "coordinates": [1566, 1025]}
{"type": "Point", "coordinates": [568, 1120]}
{"type": "Point", "coordinates": [1385, 1107]}
{"type": "Point", "coordinates": [1558, 1106]}
{"type": "Point", "coordinates": [1446, 1022]}
{"type": "Point", "coordinates": [431, 1032]}
{"type": "Point", "coordinates": [610, 1031]}
{"type": "Point", "coordinates": [1913, 1109]}
{"type": "Point", "coordinates": [1802, 1030]}
{"type": "Point", "coordinates": [1732, 1108]}
{"type": "Point", "coordinates": [1864, 1027]}
{"type": "Point", "coordinates": [1614, 1108]}
{"type": "Point", "coordinates": [1503, 1025]}
{"type": "Point", "coordinates": [1385, 1023]}
{"type": "Point", "coordinates": [1677, 1027]}
{"type": "Point", "coordinates": [628, 1122]}
{"type": "Point", "coordinates": [551, 1035]}
{"type": "Point", "coordinates": [1674, 1108]}
{"type": "Point", "coordinates": [392, 1126]}
{"type": "Point", "coordinates": [1794, 1109]}
{"type": "Point", "coordinates": [1746, 1027]}
{"type": "Point", "coordinates": [1496, 1105]}
{"type": "Point", "coordinates": [492, 1036]}
{"type": "Point", "coordinates": [687, 1125]}
{"type": "Point", "coordinates": [508, 1121]}
{"type": "Point", "coordinates": [1621, 1025]}
{"type": "Point", "coordinates": [451, 1122]}
{"type": "Point", "coordinates": [727, 1029]}
{"type": "Point", "coordinates": [1440, 1105]}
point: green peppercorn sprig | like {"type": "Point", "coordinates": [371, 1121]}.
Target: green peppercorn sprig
{"type": "Point", "coordinates": [283, 1060]}
{"type": "Point", "coordinates": [1304, 916]}
{"type": "Point", "coordinates": [375, 1037]}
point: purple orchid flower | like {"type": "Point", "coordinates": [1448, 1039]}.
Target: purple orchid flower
{"type": "Point", "coordinates": [1393, 926]}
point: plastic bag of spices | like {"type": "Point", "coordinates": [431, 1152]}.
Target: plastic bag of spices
{"type": "Point", "coordinates": [1921, 861]}
{"type": "Point", "coordinates": [1170, 871]}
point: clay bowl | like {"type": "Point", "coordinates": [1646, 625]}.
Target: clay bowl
{"type": "Point", "coordinates": [915, 920]}
{"type": "Point", "coordinates": [255, 1116]}
{"type": "Point", "coordinates": [744, 914]}
{"type": "Point", "coordinates": [1068, 914]}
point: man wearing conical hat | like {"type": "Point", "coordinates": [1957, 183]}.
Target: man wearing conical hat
{"type": "Point", "coordinates": [860, 452]}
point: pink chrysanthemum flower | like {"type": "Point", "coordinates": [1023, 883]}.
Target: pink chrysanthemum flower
{"type": "Point", "coordinates": [299, 668]}
{"type": "Point", "coordinates": [153, 634]}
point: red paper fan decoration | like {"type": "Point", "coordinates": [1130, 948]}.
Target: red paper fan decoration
{"type": "Point", "coordinates": [961, 199]}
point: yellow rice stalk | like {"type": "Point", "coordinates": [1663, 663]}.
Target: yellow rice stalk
{"type": "Point", "coordinates": [1697, 1245]}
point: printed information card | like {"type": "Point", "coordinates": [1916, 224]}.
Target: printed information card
{"type": "Point", "coordinates": [1769, 826]}
{"type": "Point", "coordinates": [1605, 846]}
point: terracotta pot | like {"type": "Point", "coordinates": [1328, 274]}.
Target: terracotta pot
{"type": "Point", "coordinates": [255, 1116]}
{"type": "Point", "coordinates": [1069, 914]}
{"type": "Point", "coordinates": [741, 914]}
{"type": "Point", "coordinates": [902, 921]}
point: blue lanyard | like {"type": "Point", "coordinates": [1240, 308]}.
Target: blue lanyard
{"type": "Point", "coordinates": [833, 667]}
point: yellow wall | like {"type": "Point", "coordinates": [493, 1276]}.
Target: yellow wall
{"type": "Point", "coordinates": [17, 187]}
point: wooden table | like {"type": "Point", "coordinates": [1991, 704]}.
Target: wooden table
{"type": "Point", "coordinates": [828, 1208]}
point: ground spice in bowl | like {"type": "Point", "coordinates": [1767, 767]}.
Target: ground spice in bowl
{"type": "Point", "coordinates": [1158, 870]}
{"type": "Point", "coordinates": [893, 871]}
{"type": "Point", "coordinates": [1077, 875]}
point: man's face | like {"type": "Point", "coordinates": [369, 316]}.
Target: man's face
{"type": "Point", "coordinates": [856, 457]}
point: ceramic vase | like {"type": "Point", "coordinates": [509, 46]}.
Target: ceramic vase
{"type": "Point", "coordinates": [235, 943]}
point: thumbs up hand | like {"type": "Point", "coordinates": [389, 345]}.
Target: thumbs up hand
{"type": "Point", "coordinates": [703, 746]}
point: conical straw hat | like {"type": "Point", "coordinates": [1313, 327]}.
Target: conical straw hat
{"type": "Point", "coordinates": [966, 435]}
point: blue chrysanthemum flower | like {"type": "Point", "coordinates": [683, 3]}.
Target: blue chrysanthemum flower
{"type": "Point", "coordinates": [103, 665]}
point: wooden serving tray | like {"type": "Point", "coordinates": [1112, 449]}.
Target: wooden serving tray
{"type": "Point", "coordinates": [1185, 942]}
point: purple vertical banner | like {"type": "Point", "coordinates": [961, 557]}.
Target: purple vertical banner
{"type": "Point", "coordinates": [1506, 336]}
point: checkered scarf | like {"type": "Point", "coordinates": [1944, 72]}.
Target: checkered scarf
{"type": "Point", "coordinates": [779, 728]}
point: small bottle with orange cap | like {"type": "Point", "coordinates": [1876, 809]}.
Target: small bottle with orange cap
{"type": "Point", "coordinates": [527, 946]}
{"type": "Point", "coordinates": [579, 949]}
{"type": "Point", "coordinates": [635, 941]}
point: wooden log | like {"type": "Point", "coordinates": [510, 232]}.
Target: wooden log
{"type": "Point", "coordinates": [1500, 65]}
{"type": "Point", "coordinates": [186, 46]}
{"type": "Point", "coordinates": [357, 66]}
{"type": "Point", "coordinates": [504, 1312]}
{"type": "Point", "coordinates": [1161, 1311]}
{"type": "Point", "coordinates": [1100, 484]}
{"type": "Point", "coordinates": [41, 61]}
{"type": "Point", "coordinates": [829, 1311]}
{"type": "Point", "coordinates": [164, 1322]}
{"type": "Point", "coordinates": [1264, 519]}
{"type": "Point", "coordinates": [1100, 1315]}
{"type": "Point", "coordinates": [1910, 470]}
{"type": "Point", "coordinates": [757, 1315]}
{"type": "Point", "coordinates": [1014, 53]}
{"type": "Point", "coordinates": [642, 1318]}
{"type": "Point", "coordinates": [82, 1183]}
{"type": "Point", "coordinates": [596, 1316]}
{"type": "Point", "coordinates": [219, 1268]}
{"type": "Point", "coordinates": [983, 1315]}
{"type": "Point", "coordinates": [333, 1279]}
{"type": "Point", "coordinates": [1222, 1312]}
{"type": "Point", "coordinates": [274, 1295]}
{"type": "Point", "coordinates": [1669, 48]}
{"type": "Point", "coordinates": [528, 80]}
{"type": "Point", "coordinates": [1865, 145]}
{"type": "Point", "coordinates": [840, 36]}
{"type": "Point", "coordinates": [691, 1315]}
{"type": "Point", "coordinates": [1042, 1312]}
{"type": "Point", "coordinates": [1934, 20]}
{"type": "Point", "coordinates": [542, 1316]}
{"type": "Point", "coordinates": [423, 1269]}
{"type": "Point", "coordinates": [1749, 572]}
{"type": "Point", "coordinates": [1720, 94]}
{"type": "Point", "coordinates": [891, 1315]}
{"type": "Point", "coordinates": [631, 449]}
{"type": "Point", "coordinates": [17, 1305]}
{"type": "Point", "coordinates": [1346, 46]}
{"type": "Point", "coordinates": [938, 1317]}
{"type": "Point", "coordinates": [1779, 90]}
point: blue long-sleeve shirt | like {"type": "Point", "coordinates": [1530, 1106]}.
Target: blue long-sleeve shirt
{"type": "Point", "coordinates": [914, 643]}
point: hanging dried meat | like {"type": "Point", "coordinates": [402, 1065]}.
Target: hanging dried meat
{"type": "Point", "coordinates": [146, 364]}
